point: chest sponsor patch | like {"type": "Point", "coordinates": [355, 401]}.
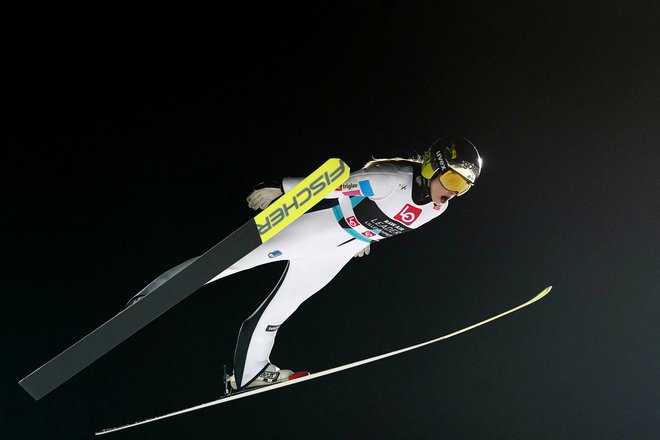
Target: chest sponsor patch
{"type": "Point", "coordinates": [408, 214]}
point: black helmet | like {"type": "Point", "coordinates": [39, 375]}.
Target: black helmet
{"type": "Point", "coordinates": [452, 154]}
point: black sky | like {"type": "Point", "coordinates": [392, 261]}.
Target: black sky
{"type": "Point", "coordinates": [131, 139]}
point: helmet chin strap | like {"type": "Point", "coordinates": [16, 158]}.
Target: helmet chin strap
{"type": "Point", "coordinates": [422, 190]}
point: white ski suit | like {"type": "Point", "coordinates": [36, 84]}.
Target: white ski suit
{"type": "Point", "coordinates": [374, 203]}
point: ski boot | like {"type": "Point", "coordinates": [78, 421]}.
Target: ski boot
{"type": "Point", "coordinates": [268, 376]}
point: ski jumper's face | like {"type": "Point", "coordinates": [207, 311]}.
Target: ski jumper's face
{"type": "Point", "coordinates": [440, 194]}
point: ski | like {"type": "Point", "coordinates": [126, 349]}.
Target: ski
{"type": "Point", "coordinates": [252, 392]}
{"type": "Point", "coordinates": [246, 238]}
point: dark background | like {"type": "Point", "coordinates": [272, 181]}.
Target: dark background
{"type": "Point", "coordinates": [131, 138]}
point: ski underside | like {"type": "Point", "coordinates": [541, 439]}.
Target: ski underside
{"type": "Point", "coordinates": [252, 392]}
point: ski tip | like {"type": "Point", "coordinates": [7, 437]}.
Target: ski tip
{"type": "Point", "coordinates": [543, 293]}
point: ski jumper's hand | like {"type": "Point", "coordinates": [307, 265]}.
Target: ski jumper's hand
{"type": "Point", "coordinates": [363, 252]}
{"type": "Point", "coordinates": [263, 194]}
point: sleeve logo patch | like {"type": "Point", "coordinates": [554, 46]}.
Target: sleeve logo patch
{"type": "Point", "coordinates": [352, 221]}
{"type": "Point", "coordinates": [362, 188]}
{"type": "Point", "coordinates": [365, 188]}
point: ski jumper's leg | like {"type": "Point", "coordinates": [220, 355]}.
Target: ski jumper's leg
{"type": "Point", "coordinates": [297, 240]}
{"type": "Point", "coordinates": [301, 279]}
{"type": "Point", "coordinates": [162, 278]}
{"type": "Point", "coordinates": [255, 258]}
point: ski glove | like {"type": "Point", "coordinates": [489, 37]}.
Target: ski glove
{"type": "Point", "coordinates": [263, 194]}
{"type": "Point", "coordinates": [363, 252]}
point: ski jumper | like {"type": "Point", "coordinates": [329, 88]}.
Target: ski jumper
{"type": "Point", "coordinates": [382, 201]}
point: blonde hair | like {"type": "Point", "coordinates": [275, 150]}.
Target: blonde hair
{"type": "Point", "coordinates": [394, 160]}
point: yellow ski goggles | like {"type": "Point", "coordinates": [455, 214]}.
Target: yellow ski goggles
{"type": "Point", "coordinates": [454, 182]}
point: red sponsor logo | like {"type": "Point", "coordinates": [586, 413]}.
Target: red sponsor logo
{"type": "Point", "coordinates": [408, 214]}
{"type": "Point", "coordinates": [352, 221]}
{"type": "Point", "coordinates": [368, 234]}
